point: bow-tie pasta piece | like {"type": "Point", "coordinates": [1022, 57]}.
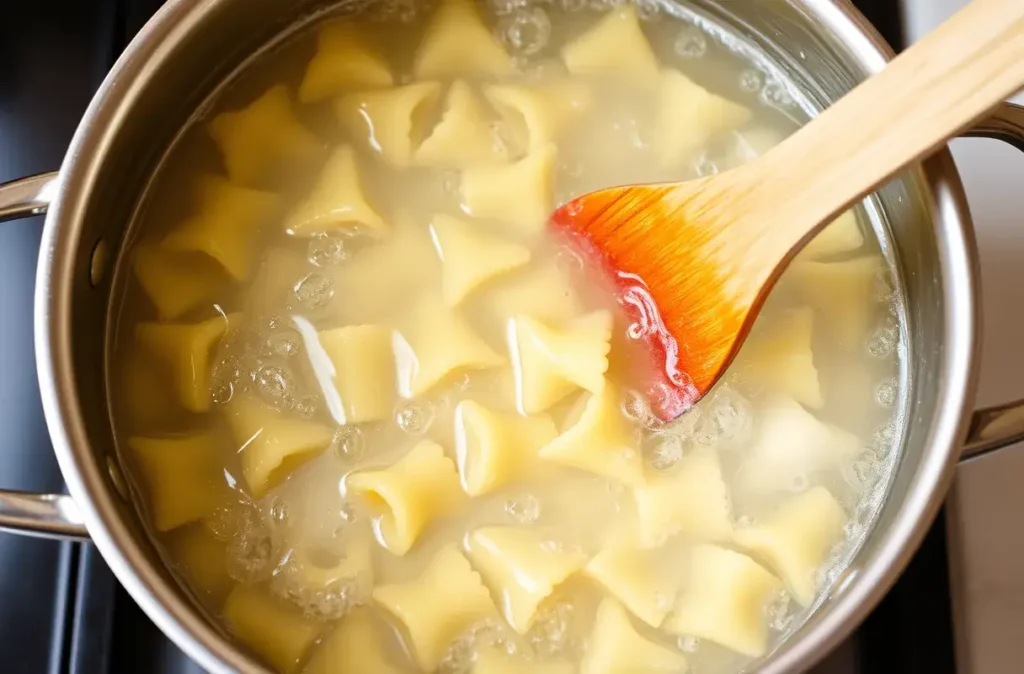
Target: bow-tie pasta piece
{"type": "Point", "coordinates": [259, 138]}
{"type": "Point", "coordinates": [271, 445]}
{"type": "Point", "coordinates": [543, 292]}
{"type": "Point", "coordinates": [689, 116]}
{"type": "Point", "coordinates": [464, 137]}
{"type": "Point", "coordinates": [355, 646]}
{"type": "Point", "coordinates": [439, 343]}
{"type": "Point", "coordinates": [181, 475]}
{"type": "Point", "coordinates": [226, 226]}
{"type": "Point", "coordinates": [780, 357]}
{"type": "Point", "coordinates": [615, 45]}
{"type": "Point", "coordinates": [143, 394]}
{"type": "Point", "coordinates": [494, 660]}
{"type": "Point", "coordinates": [337, 201]}
{"type": "Point", "coordinates": [176, 283]}
{"type": "Point", "coordinates": [796, 539]}
{"type": "Point", "coordinates": [693, 501]}
{"type": "Point", "coordinates": [343, 61]}
{"type": "Point", "coordinates": [471, 258]}
{"type": "Point", "coordinates": [523, 566]}
{"type": "Point", "coordinates": [364, 371]}
{"type": "Point", "coordinates": [447, 598]}
{"type": "Point", "coordinates": [644, 580]}
{"type": "Point", "coordinates": [725, 600]}
{"type": "Point", "coordinates": [422, 486]}
{"type": "Point", "coordinates": [495, 448]}
{"type": "Point", "coordinates": [390, 122]}
{"type": "Point", "coordinates": [534, 115]}
{"type": "Point", "coordinates": [277, 631]}
{"type": "Point", "coordinates": [456, 42]}
{"type": "Point", "coordinates": [520, 194]}
{"type": "Point", "coordinates": [552, 363]}
{"type": "Point", "coordinates": [184, 350]}
{"type": "Point", "coordinates": [843, 294]}
{"type": "Point", "coordinates": [202, 559]}
{"type": "Point", "coordinates": [790, 445]}
{"type": "Point", "coordinates": [842, 235]}
{"type": "Point", "coordinates": [599, 440]}
{"type": "Point", "coordinates": [615, 647]}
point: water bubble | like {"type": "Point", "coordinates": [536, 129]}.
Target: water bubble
{"type": "Point", "coordinates": [222, 388]}
{"type": "Point", "coordinates": [780, 612]}
{"type": "Point", "coordinates": [666, 452]}
{"type": "Point", "coordinates": [229, 520]}
{"type": "Point", "coordinates": [250, 555]}
{"type": "Point", "coordinates": [327, 250]}
{"type": "Point", "coordinates": [573, 5]}
{"type": "Point", "coordinates": [887, 392]}
{"type": "Point", "coordinates": [751, 80]}
{"type": "Point", "coordinates": [549, 635]}
{"type": "Point", "coordinates": [305, 407]}
{"type": "Point", "coordinates": [505, 7]}
{"type": "Point", "coordinates": [284, 343]}
{"type": "Point", "coordinates": [863, 471]}
{"type": "Point", "coordinates": [883, 342]}
{"type": "Point", "coordinates": [526, 31]}
{"type": "Point", "coordinates": [349, 443]}
{"type": "Point", "coordinates": [274, 384]}
{"type": "Point", "coordinates": [523, 508]}
{"type": "Point", "coordinates": [688, 644]}
{"type": "Point", "coordinates": [279, 512]}
{"type": "Point", "coordinates": [883, 287]}
{"type": "Point", "coordinates": [776, 95]}
{"type": "Point", "coordinates": [314, 290]}
{"type": "Point", "coordinates": [883, 438]}
{"type": "Point", "coordinates": [415, 418]}
{"type": "Point", "coordinates": [646, 10]}
{"type": "Point", "coordinates": [348, 514]}
{"type": "Point", "coordinates": [724, 417]}
{"type": "Point", "coordinates": [704, 167]}
{"type": "Point", "coordinates": [799, 483]}
{"type": "Point", "coordinates": [691, 43]}
{"type": "Point", "coordinates": [635, 407]}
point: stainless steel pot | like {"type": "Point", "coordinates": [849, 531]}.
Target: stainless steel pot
{"type": "Point", "coordinates": [190, 45]}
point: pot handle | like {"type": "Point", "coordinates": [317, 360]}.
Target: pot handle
{"type": "Point", "coordinates": [44, 515]}
{"type": "Point", "coordinates": [993, 428]}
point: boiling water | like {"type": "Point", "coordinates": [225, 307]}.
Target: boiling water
{"type": "Point", "coordinates": [586, 541]}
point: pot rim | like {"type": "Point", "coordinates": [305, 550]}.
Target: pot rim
{"type": "Point", "coordinates": [204, 643]}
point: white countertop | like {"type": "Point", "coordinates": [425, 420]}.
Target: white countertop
{"type": "Point", "coordinates": [986, 507]}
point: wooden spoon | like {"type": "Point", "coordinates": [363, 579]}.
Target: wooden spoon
{"type": "Point", "coordinates": [695, 260]}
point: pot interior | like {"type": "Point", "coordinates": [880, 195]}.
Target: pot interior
{"type": "Point", "coordinates": [809, 51]}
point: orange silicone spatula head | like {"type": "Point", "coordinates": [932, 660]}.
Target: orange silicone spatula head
{"type": "Point", "coordinates": [695, 260]}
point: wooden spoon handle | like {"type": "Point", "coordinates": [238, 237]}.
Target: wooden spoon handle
{"type": "Point", "coordinates": [928, 94]}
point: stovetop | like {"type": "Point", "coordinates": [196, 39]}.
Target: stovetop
{"type": "Point", "coordinates": [61, 610]}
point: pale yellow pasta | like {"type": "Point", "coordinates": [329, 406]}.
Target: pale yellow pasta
{"type": "Point", "coordinates": [615, 45]}
{"type": "Point", "coordinates": [324, 569]}
{"type": "Point", "coordinates": [842, 292]}
{"type": "Point", "coordinates": [456, 42]}
{"type": "Point", "coordinates": [464, 137]}
{"type": "Point", "coordinates": [389, 121]}
{"type": "Point", "coordinates": [255, 140]}
{"type": "Point", "coordinates": [780, 357]}
{"type": "Point", "coordinates": [175, 283]}
{"type": "Point", "coordinates": [355, 646]}
{"type": "Point", "coordinates": [181, 475]}
{"type": "Point", "coordinates": [270, 444]}
{"type": "Point", "coordinates": [343, 61]}
{"type": "Point", "coordinates": [364, 371]}
{"type": "Point", "coordinates": [438, 343]}
{"type": "Point", "coordinates": [276, 630]}
{"type": "Point", "coordinates": [470, 257]}
{"type": "Point", "coordinates": [227, 221]}
{"type": "Point", "coordinates": [337, 201]}
{"type": "Point", "coordinates": [447, 598]}
{"type": "Point", "coordinates": [641, 579]}
{"type": "Point", "coordinates": [692, 501]}
{"type": "Point", "coordinates": [493, 660]}
{"type": "Point", "coordinates": [142, 388]}
{"type": "Point", "coordinates": [535, 115]}
{"type": "Point", "coordinates": [408, 495]}
{"type": "Point", "coordinates": [724, 601]}
{"type": "Point", "coordinates": [184, 350]}
{"type": "Point", "coordinates": [796, 539]}
{"type": "Point", "coordinates": [842, 235]}
{"type": "Point", "coordinates": [599, 440]}
{"type": "Point", "coordinates": [520, 194]}
{"type": "Point", "coordinates": [496, 448]}
{"type": "Point", "coordinates": [202, 559]}
{"type": "Point", "coordinates": [544, 293]}
{"type": "Point", "coordinates": [551, 363]}
{"type": "Point", "coordinates": [689, 116]}
{"type": "Point", "coordinates": [523, 567]}
{"type": "Point", "coordinates": [615, 647]}
{"type": "Point", "coordinates": [792, 444]}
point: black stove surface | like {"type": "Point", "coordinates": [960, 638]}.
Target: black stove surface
{"type": "Point", "coordinates": [61, 610]}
